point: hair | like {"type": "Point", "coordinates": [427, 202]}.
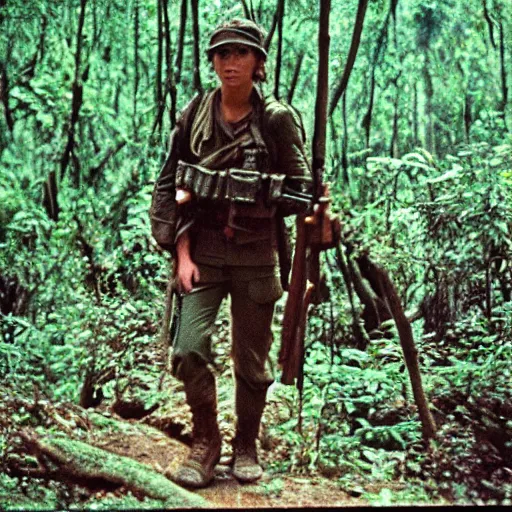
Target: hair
{"type": "Point", "coordinates": [260, 73]}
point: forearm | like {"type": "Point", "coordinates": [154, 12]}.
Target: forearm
{"type": "Point", "coordinates": [183, 248]}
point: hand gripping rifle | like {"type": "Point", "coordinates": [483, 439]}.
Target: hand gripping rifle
{"type": "Point", "coordinates": [315, 233]}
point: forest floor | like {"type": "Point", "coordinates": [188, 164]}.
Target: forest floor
{"type": "Point", "coordinates": [44, 446]}
{"type": "Point", "coordinates": [158, 442]}
{"type": "Point", "coordinates": [272, 491]}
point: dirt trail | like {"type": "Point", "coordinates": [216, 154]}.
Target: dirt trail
{"type": "Point", "coordinates": [276, 491]}
{"type": "Point", "coordinates": [273, 491]}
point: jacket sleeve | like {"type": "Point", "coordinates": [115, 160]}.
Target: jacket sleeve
{"type": "Point", "coordinates": [167, 220]}
{"type": "Point", "coordinates": [290, 159]}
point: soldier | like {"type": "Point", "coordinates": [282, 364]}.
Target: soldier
{"type": "Point", "coordinates": [240, 159]}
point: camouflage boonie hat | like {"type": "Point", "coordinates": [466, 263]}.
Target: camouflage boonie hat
{"type": "Point", "coordinates": [238, 31]}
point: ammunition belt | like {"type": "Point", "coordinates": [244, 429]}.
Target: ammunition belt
{"type": "Point", "coordinates": [238, 185]}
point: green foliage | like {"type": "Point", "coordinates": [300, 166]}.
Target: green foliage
{"type": "Point", "coordinates": [429, 197]}
{"type": "Point", "coordinates": [27, 494]}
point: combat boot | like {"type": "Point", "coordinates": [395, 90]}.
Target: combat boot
{"type": "Point", "coordinates": [198, 469]}
{"type": "Point", "coordinates": [249, 408]}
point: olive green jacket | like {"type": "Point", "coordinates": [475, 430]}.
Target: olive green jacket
{"type": "Point", "coordinates": [279, 131]}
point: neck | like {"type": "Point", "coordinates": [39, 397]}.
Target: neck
{"type": "Point", "coordinates": [236, 98]}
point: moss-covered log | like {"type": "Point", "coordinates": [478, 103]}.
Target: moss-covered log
{"type": "Point", "coordinates": [76, 459]}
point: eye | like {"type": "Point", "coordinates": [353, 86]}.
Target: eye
{"type": "Point", "coordinates": [223, 53]}
{"type": "Point", "coordinates": [242, 51]}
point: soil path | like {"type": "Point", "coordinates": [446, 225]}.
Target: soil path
{"type": "Point", "coordinates": [273, 491]}
{"type": "Point", "coordinates": [277, 491]}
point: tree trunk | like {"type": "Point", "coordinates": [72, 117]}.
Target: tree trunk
{"type": "Point", "coordinates": [159, 61]}
{"type": "Point", "coordinates": [415, 130]}
{"type": "Point", "coordinates": [344, 148]}
{"type": "Point", "coordinates": [247, 12]}
{"type": "Point", "coordinates": [490, 23]}
{"type": "Point", "coordinates": [136, 26]}
{"type": "Point", "coordinates": [504, 85]}
{"type": "Point", "coordinates": [319, 138]}
{"type": "Point", "coordinates": [181, 40]}
{"type": "Point", "coordinates": [295, 77]}
{"type": "Point", "coordinates": [170, 78]}
{"type": "Point", "coordinates": [279, 57]}
{"type": "Point", "coordinates": [272, 28]}
{"type": "Point", "coordinates": [4, 96]}
{"type": "Point", "coordinates": [197, 59]}
{"type": "Point", "coordinates": [393, 146]}
{"type": "Point", "coordinates": [429, 110]}
{"type": "Point", "coordinates": [354, 47]}
{"type": "Point", "coordinates": [320, 129]}
{"type": "Point", "coordinates": [380, 45]}
{"type": "Point", "coordinates": [467, 116]}
{"type": "Point", "coordinates": [76, 102]}
{"type": "Point", "coordinates": [335, 153]}
{"type": "Point", "coordinates": [367, 119]}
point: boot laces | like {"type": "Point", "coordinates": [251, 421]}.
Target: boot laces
{"type": "Point", "coordinates": [199, 449]}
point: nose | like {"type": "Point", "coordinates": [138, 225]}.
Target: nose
{"type": "Point", "coordinates": [232, 57]}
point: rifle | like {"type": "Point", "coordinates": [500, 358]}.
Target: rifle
{"type": "Point", "coordinates": [315, 233]}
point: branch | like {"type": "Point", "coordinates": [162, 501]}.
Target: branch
{"type": "Point", "coordinates": [295, 77]}
{"type": "Point", "coordinates": [388, 290]}
{"type": "Point", "coordinates": [272, 29]}
{"type": "Point", "coordinates": [354, 47]}
{"type": "Point", "coordinates": [490, 23]}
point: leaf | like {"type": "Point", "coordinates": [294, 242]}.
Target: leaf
{"type": "Point", "coordinates": [409, 156]}
{"type": "Point", "coordinates": [349, 406]}
{"type": "Point", "coordinates": [502, 226]}
{"type": "Point", "coordinates": [449, 175]}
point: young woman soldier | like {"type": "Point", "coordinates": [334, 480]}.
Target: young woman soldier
{"type": "Point", "coordinates": [240, 160]}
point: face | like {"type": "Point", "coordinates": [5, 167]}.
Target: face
{"type": "Point", "coordinates": [235, 64]}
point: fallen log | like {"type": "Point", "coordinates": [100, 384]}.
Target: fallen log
{"type": "Point", "coordinates": [78, 460]}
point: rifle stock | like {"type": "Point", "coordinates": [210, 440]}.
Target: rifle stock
{"type": "Point", "coordinates": [292, 369]}
{"type": "Point", "coordinates": [309, 229]}
{"type": "Point", "coordinates": [296, 291]}
{"type": "Point", "coordinates": [315, 233]}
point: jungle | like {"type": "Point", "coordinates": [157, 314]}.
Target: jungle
{"type": "Point", "coordinates": [405, 392]}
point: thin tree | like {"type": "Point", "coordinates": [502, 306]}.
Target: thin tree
{"type": "Point", "coordinates": [197, 58]}
{"type": "Point", "coordinates": [159, 61]}
{"type": "Point", "coordinates": [170, 81]}
{"type": "Point", "coordinates": [279, 56]}
{"type": "Point", "coordinates": [181, 40]}
{"type": "Point", "coordinates": [378, 53]}
{"type": "Point", "coordinates": [4, 96]}
{"type": "Point", "coordinates": [50, 200]}
{"type": "Point", "coordinates": [295, 77]}
{"type": "Point", "coordinates": [352, 54]}
{"type": "Point", "coordinates": [136, 79]}
{"type": "Point", "coordinates": [272, 29]}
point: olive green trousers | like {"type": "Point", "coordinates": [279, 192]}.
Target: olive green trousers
{"type": "Point", "coordinates": [253, 292]}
